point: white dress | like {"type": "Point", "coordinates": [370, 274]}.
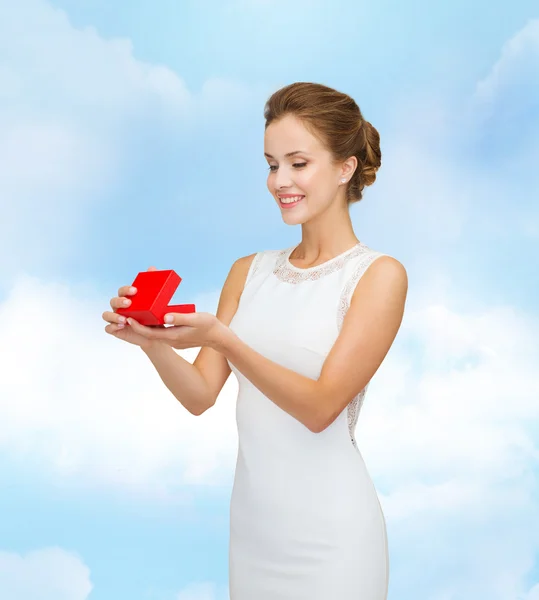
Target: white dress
{"type": "Point", "coordinates": [305, 519]}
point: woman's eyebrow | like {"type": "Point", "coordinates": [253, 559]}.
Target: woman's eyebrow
{"type": "Point", "coordinates": [288, 154]}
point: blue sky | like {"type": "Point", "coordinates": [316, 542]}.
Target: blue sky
{"type": "Point", "coordinates": [131, 134]}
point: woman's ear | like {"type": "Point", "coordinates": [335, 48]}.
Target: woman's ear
{"type": "Point", "coordinates": [348, 168]}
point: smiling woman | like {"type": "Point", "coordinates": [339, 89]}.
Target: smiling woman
{"type": "Point", "coordinates": [304, 329]}
{"type": "Point", "coordinates": [340, 128]}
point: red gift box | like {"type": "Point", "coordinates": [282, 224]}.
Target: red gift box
{"type": "Point", "coordinates": [154, 291]}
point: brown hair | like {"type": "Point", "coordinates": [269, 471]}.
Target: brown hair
{"type": "Point", "coordinates": [336, 120]}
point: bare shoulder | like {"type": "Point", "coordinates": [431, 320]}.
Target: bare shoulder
{"type": "Point", "coordinates": [385, 275]}
{"type": "Point", "coordinates": [389, 268]}
{"type": "Point", "coordinates": [237, 276]}
{"type": "Point", "coordinates": [242, 264]}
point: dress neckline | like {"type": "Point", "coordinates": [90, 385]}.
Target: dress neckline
{"type": "Point", "coordinates": [323, 265]}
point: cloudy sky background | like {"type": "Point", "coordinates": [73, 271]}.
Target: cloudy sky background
{"type": "Point", "coordinates": [132, 135]}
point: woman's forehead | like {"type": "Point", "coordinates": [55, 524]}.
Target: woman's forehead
{"type": "Point", "coordinates": [285, 138]}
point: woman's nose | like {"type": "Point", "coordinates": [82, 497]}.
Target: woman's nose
{"type": "Point", "coordinates": [282, 179]}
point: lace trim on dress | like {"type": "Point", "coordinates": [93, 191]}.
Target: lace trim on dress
{"type": "Point", "coordinates": [285, 271]}
{"type": "Point", "coordinates": [344, 304]}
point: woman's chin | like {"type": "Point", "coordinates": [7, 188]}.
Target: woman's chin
{"type": "Point", "coordinates": [294, 216]}
{"type": "Point", "coordinates": [297, 219]}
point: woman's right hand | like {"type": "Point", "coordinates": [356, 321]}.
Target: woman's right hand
{"type": "Point", "coordinates": [118, 326]}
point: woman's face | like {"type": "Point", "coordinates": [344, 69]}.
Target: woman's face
{"type": "Point", "coordinates": [308, 173]}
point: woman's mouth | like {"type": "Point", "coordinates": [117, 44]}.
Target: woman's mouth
{"type": "Point", "coordinates": [289, 201]}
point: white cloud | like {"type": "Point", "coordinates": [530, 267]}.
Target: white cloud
{"type": "Point", "coordinates": [66, 93]}
{"type": "Point", "coordinates": [470, 396]}
{"type": "Point", "coordinates": [77, 66]}
{"type": "Point", "coordinates": [46, 574]}
{"type": "Point", "coordinates": [82, 404]}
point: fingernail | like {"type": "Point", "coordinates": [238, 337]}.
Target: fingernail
{"type": "Point", "coordinates": [122, 319]}
{"type": "Point", "coordinates": [125, 302]}
{"type": "Point", "coordinates": [132, 290]}
{"type": "Point", "coordinates": [168, 318]}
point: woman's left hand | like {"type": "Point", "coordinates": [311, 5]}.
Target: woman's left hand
{"type": "Point", "coordinates": [189, 330]}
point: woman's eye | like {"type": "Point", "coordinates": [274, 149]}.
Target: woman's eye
{"type": "Point", "coordinates": [297, 165]}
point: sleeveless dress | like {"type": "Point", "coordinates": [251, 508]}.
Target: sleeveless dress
{"type": "Point", "coordinates": [305, 519]}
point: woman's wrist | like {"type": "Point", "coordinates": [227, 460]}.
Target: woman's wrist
{"type": "Point", "coordinates": [151, 345]}
{"type": "Point", "coordinates": [221, 338]}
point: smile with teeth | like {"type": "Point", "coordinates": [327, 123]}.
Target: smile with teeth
{"type": "Point", "coordinates": [291, 199]}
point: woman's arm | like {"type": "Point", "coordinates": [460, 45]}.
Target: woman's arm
{"type": "Point", "coordinates": [182, 378]}
{"type": "Point", "coordinates": [212, 364]}
{"type": "Point", "coordinates": [369, 328]}
{"type": "Point", "coordinates": [197, 385]}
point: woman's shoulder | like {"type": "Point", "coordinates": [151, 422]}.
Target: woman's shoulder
{"type": "Point", "coordinates": [243, 270]}
{"type": "Point", "coordinates": [244, 262]}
